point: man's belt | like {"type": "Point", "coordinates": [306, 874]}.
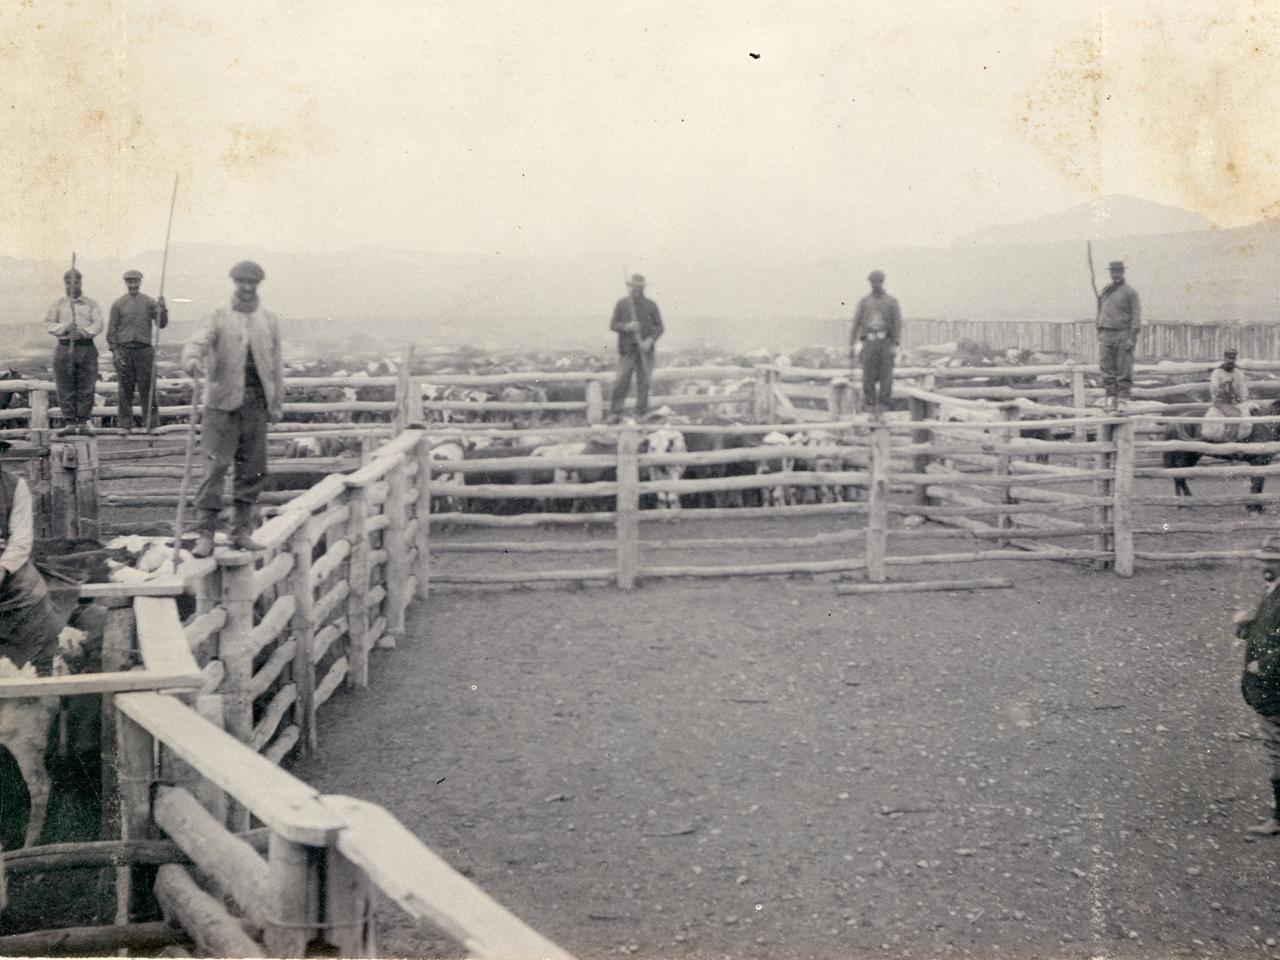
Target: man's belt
{"type": "Point", "coordinates": [72, 340]}
{"type": "Point", "coordinates": [876, 335]}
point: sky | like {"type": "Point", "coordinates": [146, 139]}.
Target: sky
{"type": "Point", "coordinates": [626, 132]}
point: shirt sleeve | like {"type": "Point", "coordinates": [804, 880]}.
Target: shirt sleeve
{"type": "Point", "coordinates": [201, 341]}
{"type": "Point", "coordinates": [658, 328]}
{"type": "Point", "coordinates": [21, 530]}
{"type": "Point", "coordinates": [160, 312]}
{"type": "Point", "coordinates": [94, 326]}
{"type": "Point", "coordinates": [1242, 386]}
{"type": "Point", "coordinates": [619, 317]}
{"type": "Point", "coordinates": [1135, 321]}
{"type": "Point", "coordinates": [113, 324]}
{"type": "Point", "coordinates": [895, 323]}
{"type": "Point", "coordinates": [53, 321]}
{"type": "Point", "coordinates": [859, 318]}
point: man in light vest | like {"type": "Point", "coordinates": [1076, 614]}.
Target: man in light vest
{"type": "Point", "coordinates": [28, 630]}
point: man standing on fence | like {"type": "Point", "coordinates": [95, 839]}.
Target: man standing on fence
{"type": "Point", "coordinates": [75, 320]}
{"type": "Point", "coordinates": [130, 338]}
{"type": "Point", "coordinates": [1260, 682]}
{"type": "Point", "coordinates": [238, 346]}
{"type": "Point", "coordinates": [877, 331]}
{"type": "Point", "coordinates": [638, 324]}
{"type": "Point", "coordinates": [1119, 319]}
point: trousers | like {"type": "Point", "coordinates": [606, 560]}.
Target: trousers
{"type": "Point", "coordinates": [1115, 357]}
{"type": "Point", "coordinates": [75, 372]}
{"type": "Point", "coordinates": [877, 372]}
{"type": "Point", "coordinates": [133, 373]}
{"type": "Point", "coordinates": [640, 364]}
{"type": "Point", "coordinates": [234, 438]}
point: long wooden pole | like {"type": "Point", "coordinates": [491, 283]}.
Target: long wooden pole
{"type": "Point", "coordinates": [164, 266]}
{"type": "Point", "coordinates": [187, 457]}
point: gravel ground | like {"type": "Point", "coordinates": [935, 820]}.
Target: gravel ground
{"type": "Point", "coordinates": [763, 768]}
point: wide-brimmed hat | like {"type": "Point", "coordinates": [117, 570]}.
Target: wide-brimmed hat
{"type": "Point", "coordinates": [636, 280]}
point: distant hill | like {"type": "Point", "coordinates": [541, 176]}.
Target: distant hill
{"type": "Point", "coordinates": [1025, 271]}
{"type": "Point", "coordinates": [1107, 218]}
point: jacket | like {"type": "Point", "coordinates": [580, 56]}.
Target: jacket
{"type": "Point", "coordinates": [646, 311]}
{"type": "Point", "coordinates": [1120, 309]}
{"type": "Point", "coordinates": [1261, 636]}
{"type": "Point", "coordinates": [890, 312]}
{"type": "Point", "coordinates": [221, 342]}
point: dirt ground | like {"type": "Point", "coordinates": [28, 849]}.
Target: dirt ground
{"type": "Point", "coordinates": [763, 768]}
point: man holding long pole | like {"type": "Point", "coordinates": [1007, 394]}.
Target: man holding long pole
{"type": "Point", "coordinates": [238, 347]}
{"type": "Point", "coordinates": [129, 337]}
{"type": "Point", "coordinates": [75, 320]}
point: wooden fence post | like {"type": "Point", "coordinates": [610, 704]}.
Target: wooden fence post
{"type": "Point", "coordinates": [119, 639]}
{"type": "Point", "coordinates": [39, 416]}
{"type": "Point", "coordinates": [404, 386]}
{"type": "Point", "coordinates": [237, 659]}
{"type": "Point", "coordinates": [1080, 400]}
{"type": "Point", "coordinates": [397, 565]}
{"type": "Point", "coordinates": [303, 628]}
{"type": "Point", "coordinates": [839, 397]}
{"type": "Point", "coordinates": [348, 914]}
{"type": "Point", "coordinates": [295, 887]}
{"type": "Point", "coordinates": [920, 410]}
{"type": "Point", "coordinates": [1009, 412]}
{"type": "Point", "coordinates": [358, 586]}
{"type": "Point", "coordinates": [628, 508]}
{"type": "Point", "coordinates": [74, 478]}
{"type": "Point", "coordinates": [1122, 491]}
{"type": "Point", "coordinates": [878, 504]}
{"type": "Point", "coordinates": [422, 512]}
{"type": "Point", "coordinates": [764, 400]}
{"type": "Point", "coordinates": [1102, 516]}
{"type": "Point", "coordinates": [595, 402]}
{"type": "Point", "coordinates": [134, 773]}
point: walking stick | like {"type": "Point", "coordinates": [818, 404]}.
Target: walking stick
{"type": "Point", "coordinates": [187, 456]}
{"type": "Point", "coordinates": [152, 402]}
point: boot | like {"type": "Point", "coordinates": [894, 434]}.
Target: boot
{"type": "Point", "coordinates": [204, 535]}
{"type": "Point", "coordinates": [241, 533]}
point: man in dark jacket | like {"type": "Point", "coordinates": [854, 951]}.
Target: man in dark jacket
{"type": "Point", "coordinates": [1260, 682]}
{"type": "Point", "coordinates": [877, 331]}
{"type": "Point", "coordinates": [638, 324]}
{"type": "Point", "coordinates": [130, 337]}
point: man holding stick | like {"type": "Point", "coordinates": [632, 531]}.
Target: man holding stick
{"type": "Point", "coordinates": [238, 346]}
{"type": "Point", "coordinates": [1260, 682]}
{"type": "Point", "coordinates": [1119, 319]}
{"type": "Point", "coordinates": [638, 324]}
{"type": "Point", "coordinates": [130, 337]}
{"type": "Point", "coordinates": [75, 320]}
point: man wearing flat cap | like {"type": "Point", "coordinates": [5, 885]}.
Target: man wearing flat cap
{"type": "Point", "coordinates": [638, 324]}
{"type": "Point", "coordinates": [130, 337]}
{"type": "Point", "coordinates": [75, 320]}
{"type": "Point", "coordinates": [877, 331]}
{"type": "Point", "coordinates": [1119, 319]}
{"type": "Point", "coordinates": [1260, 681]}
{"type": "Point", "coordinates": [238, 349]}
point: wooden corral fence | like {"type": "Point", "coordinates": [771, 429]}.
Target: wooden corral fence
{"type": "Point", "coordinates": [1078, 338]}
{"type": "Point", "coordinates": [1009, 486]}
{"type": "Point", "coordinates": [224, 695]}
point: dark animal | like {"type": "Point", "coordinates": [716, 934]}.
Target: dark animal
{"type": "Point", "coordinates": [12, 399]}
{"type": "Point", "coordinates": [1261, 433]}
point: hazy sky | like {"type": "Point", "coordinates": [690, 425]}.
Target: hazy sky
{"type": "Point", "coordinates": [630, 130]}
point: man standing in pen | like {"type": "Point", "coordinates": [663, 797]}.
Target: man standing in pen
{"type": "Point", "coordinates": [238, 348]}
{"type": "Point", "coordinates": [130, 339]}
{"type": "Point", "coordinates": [877, 331]}
{"type": "Point", "coordinates": [75, 320]}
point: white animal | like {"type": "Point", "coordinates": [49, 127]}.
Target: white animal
{"type": "Point", "coordinates": [24, 731]}
{"type": "Point", "coordinates": [776, 496]}
{"type": "Point", "coordinates": [665, 440]}
{"type": "Point", "coordinates": [449, 452]}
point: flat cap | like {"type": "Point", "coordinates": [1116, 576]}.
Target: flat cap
{"type": "Point", "coordinates": [73, 273]}
{"type": "Point", "coordinates": [876, 275]}
{"type": "Point", "coordinates": [247, 270]}
{"type": "Point", "coordinates": [1116, 265]}
{"type": "Point", "coordinates": [133, 275]}
{"type": "Point", "coordinates": [1231, 352]}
